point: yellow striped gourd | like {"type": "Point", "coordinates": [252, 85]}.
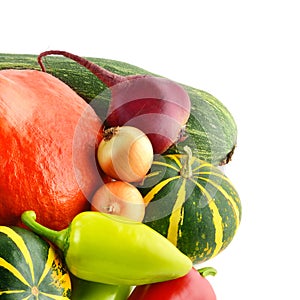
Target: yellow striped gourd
{"type": "Point", "coordinates": [192, 203]}
{"type": "Point", "coordinates": [30, 268]}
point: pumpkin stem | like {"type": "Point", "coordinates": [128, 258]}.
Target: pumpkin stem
{"type": "Point", "coordinates": [207, 271]}
{"type": "Point", "coordinates": [186, 170]}
{"type": "Point", "coordinates": [56, 237]}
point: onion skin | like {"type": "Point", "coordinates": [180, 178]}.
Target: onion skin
{"type": "Point", "coordinates": [157, 106]}
{"type": "Point", "coordinates": [125, 153]}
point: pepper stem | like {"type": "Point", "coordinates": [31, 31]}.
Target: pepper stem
{"type": "Point", "coordinates": [59, 238]}
{"type": "Point", "coordinates": [207, 271]}
{"type": "Point", "coordinates": [186, 170]}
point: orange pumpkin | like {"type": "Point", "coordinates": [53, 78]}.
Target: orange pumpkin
{"type": "Point", "coordinates": [49, 138]}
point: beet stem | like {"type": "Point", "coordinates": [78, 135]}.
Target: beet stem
{"type": "Point", "coordinates": [107, 77]}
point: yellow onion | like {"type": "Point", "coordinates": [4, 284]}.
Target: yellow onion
{"type": "Point", "coordinates": [119, 198]}
{"type": "Point", "coordinates": [125, 153]}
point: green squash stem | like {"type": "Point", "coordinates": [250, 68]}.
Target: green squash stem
{"type": "Point", "coordinates": [59, 238]}
{"type": "Point", "coordinates": [207, 271]}
{"type": "Point", "coordinates": [186, 170]}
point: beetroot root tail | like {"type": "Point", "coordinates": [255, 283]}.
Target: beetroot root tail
{"type": "Point", "coordinates": [107, 77]}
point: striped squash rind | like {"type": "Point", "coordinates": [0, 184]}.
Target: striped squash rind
{"type": "Point", "coordinates": [200, 214]}
{"type": "Point", "coordinates": [30, 268]}
{"type": "Point", "coordinates": [211, 128]}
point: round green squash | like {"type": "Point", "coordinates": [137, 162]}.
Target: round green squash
{"type": "Point", "coordinates": [30, 268]}
{"type": "Point", "coordinates": [192, 203]}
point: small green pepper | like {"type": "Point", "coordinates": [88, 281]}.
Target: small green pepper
{"type": "Point", "coordinates": [114, 250]}
{"type": "Point", "coordinates": [88, 290]}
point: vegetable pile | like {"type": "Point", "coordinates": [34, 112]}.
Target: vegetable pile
{"type": "Point", "coordinates": [110, 181]}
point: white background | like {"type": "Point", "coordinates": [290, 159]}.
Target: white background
{"type": "Point", "coordinates": [245, 53]}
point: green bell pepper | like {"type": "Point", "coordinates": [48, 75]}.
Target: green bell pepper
{"type": "Point", "coordinates": [114, 250]}
{"type": "Point", "coordinates": [88, 290]}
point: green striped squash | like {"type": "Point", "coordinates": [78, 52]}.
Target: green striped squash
{"type": "Point", "coordinates": [192, 203]}
{"type": "Point", "coordinates": [30, 268]}
{"type": "Point", "coordinates": [211, 128]}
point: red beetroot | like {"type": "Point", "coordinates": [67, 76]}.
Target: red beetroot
{"type": "Point", "coordinates": [157, 106]}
